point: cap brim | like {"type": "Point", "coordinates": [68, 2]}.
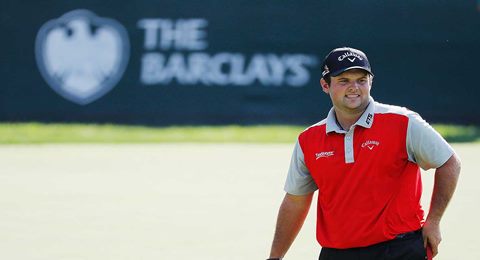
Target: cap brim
{"type": "Point", "coordinates": [336, 73]}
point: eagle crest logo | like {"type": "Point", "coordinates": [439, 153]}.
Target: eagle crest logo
{"type": "Point", "coordinates": [82, 56]}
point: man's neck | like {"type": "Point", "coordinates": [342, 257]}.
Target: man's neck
{"type": "Point", "coordinates": [346, 120]}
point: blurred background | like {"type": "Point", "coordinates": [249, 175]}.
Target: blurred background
{"type": "Point", "coordinates": [171, 62]}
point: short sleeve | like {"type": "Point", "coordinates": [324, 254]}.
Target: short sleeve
{"type": "Point", "coordinates": [425, 146]}
{"type": "Point", "coordinates": [299, 181]}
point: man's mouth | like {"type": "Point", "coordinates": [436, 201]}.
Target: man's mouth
{"type": "Point", "coordinates": [353, 95]}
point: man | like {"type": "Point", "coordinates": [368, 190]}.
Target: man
{"type": "Point", "coordinates": [364, 159]}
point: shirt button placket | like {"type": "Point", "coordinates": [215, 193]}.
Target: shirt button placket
{"type": "Point", "coordinates": [349, 146]}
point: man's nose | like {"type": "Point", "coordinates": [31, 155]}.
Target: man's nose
{"type": "Point", "coordinates": [354, 85]}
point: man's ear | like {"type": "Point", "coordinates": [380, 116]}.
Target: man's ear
{"type": "Point", "coordinates": [325, 86]}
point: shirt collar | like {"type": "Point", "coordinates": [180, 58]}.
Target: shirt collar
{"type": "Point", "coordinates": [366, 120]}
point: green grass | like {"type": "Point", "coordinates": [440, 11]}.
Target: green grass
{"type": "Point", "coordinates": [459, 134]}
{"type": "Point", "coordinates": [37, 133]}
{"type": "Point", "coordinates": [90, 133]}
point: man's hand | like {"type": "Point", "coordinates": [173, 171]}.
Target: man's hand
{"type": "Point", "coordinates": [446, 177]}
{"type": "Point", "coordinates": [432, 236]}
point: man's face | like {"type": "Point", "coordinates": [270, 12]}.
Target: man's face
{"type": "Point", "coordinates": [349, 91]}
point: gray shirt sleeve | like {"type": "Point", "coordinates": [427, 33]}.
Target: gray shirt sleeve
{"type": "Point", "coordinates": [425, 146]}
{"type": "Point", "coordinates": [299, 181]}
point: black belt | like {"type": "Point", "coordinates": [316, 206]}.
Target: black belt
{"type": "Point", "coordinates": [408, 234]}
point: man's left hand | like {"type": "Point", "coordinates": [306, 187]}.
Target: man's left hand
{"type": "Point", "coordinates": [431, 236]}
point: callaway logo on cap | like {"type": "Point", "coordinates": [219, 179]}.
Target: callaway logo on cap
{"type": "Point", "coordinates": [342, 59]}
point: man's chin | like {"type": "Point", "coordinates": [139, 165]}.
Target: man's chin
{"type": "Point", "coordinates": [356, 106]}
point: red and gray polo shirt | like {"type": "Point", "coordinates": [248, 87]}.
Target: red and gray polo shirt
{"type": "Point", "coordinates": [368, 177]}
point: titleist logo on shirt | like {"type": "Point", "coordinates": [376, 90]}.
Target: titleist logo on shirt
{"type": "Point", "coordinates": [323, 154]}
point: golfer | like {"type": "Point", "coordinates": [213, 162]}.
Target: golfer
{"type": "Point", "coordinates": [364, 159]}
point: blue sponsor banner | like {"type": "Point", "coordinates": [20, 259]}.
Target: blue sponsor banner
{"type": "Point", "coordinates": [210, 62]}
